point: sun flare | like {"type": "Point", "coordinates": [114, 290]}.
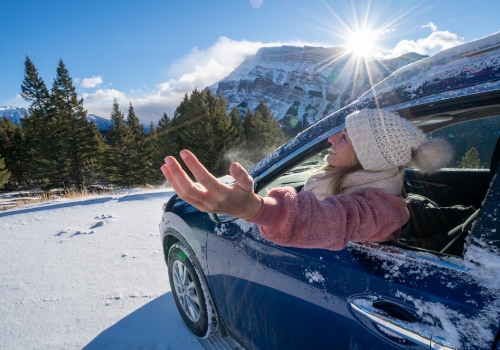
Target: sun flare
{"type": "Point", "coordinates": [362, 43]}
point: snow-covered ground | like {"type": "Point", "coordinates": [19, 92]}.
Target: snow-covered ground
{"type": "Point", "coordinates": [88, 273]}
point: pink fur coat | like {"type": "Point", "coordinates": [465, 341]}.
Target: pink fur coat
{"type": "Point", "coordinates": [302, 220]}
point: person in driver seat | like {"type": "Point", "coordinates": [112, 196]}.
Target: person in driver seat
{"type": "Point", "coordinates": [356, 198]}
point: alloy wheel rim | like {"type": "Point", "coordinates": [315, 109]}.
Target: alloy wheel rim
{"type": "Point", "coordinates": [186, 291]}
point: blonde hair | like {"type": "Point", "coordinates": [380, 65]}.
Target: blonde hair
{"type": "Point", "coordinates": [338, 174]}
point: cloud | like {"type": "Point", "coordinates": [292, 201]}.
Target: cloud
{"type": "Point", "coordinates": [104, 95]}
{"type": "Point", "coordinates": [204, 67]}
{"type": "Point", "coordinates": [430, 25]}
{"type": "Point", "coordinates": [91, 82]}
{"type": "Point", "coordinates": [386, 30]}
{"type": "Point", "coordinates": [256, 3]}
{"type": "Point", "coordinates": [436, 41]}
{"type": "Point", "coordinates": [198, 69]}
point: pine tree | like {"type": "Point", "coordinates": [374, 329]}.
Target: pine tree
{"type": "Point", "coordinates": [83, 141]}
{"type": "Point", "coordinates": [274, 136]}
{"type": "Point", "coordinates": [151, 159]}
{"type": "Point", "coordinates": [76, 133]}
{"type": "Point", "coordinates": [121, 156]}
{"type": "Point", "coordinates": [5, 148]}
{"type": "Point", "coordinates": [4, 173]}
{"type": "Point", "coordinates": [471, 159]}
{"type": "Point", "coordinates": [262, 133]}
{"type": "Point", "coordinates": [264, 111]}
{"type": "Point", "coordinates": [33, 88]}
{"type": "Point", "coordinates": [167, 137]}
{"type": "Point", "coordinates": [249, 129]}
{"type": "Point", "coordinates": [164, 122]}
{"type": "Point", "coordinates": [236, 132]}
{"type": "Point", "coordinates": [136, 128]}
{"type": "Point", "coordinates": [94, 165]}
{"type": "Point", "coordinates": [142, 163]}
{"type": "Point", "coordinates": [42, 132]}
{"type": "Point", "coordinates": [5, 143]}
{"type": "Point", "coordinates": [236, 150]}
{"type": "Point", "coordinates": [152, 130]}
{"type": "Point", "coordinates": [13, 147]}
{"type": "Point", "coordinates": [204, 127]}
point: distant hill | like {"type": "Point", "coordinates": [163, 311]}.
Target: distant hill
{"type": "Point", "coordinates": [15, 114]}
{"type": "Point", "coordinates": [302, 85]}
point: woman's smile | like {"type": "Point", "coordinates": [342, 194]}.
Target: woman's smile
{"type": "Point", "coordinates": [341, 153]}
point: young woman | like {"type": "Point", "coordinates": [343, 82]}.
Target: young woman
{"type": "Point", "coordinates": [357, 199]}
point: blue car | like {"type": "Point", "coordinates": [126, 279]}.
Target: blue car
{"type": "Point", "coordinates": [437, 288]}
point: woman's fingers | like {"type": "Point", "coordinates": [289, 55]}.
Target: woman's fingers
{"type": "Point", "coordinates": [176, 172]}
{"type": "Point", "coordinates": [207, 191]}
{"type": "Point", "coordinates": [180, 181]}
{"type": "Point", "coordinates": [171, 179]}
{"type": "Point", "coordinates": [244, 181]}
{"type": "Point", "coordinates": [201, 173]}
{"type": "Point", "coordinates": [210, 195]}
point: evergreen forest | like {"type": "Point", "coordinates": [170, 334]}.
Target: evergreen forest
{"type": "Point", "coordinates": [56, 147]}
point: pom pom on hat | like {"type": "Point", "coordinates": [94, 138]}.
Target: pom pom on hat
{"type": "Point", "coordinates": [383, 140]}
{"type": "Point", "coordinates": [433, 155]}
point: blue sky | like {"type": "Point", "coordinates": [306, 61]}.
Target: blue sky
{"type": "Point", "coordinates": [151, 53]}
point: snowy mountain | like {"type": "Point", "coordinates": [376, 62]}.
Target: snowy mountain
{"type": "Point", "coordinates": [304, 84]}
{"type": "Point", "coordinates": [15, 114]}
{"type": "Point", "coordinates": [102, 123]}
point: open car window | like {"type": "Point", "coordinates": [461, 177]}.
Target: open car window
{"type": "Point", "coordinates": [298, 175]}
{"type": "Point", "coordinates": [442, 206]}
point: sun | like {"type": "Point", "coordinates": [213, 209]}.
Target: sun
{"type": "Point", "coordinates": [362, 43]}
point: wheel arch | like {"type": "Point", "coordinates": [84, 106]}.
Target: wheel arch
{"type": "Point", "coordinates": [171, 237]}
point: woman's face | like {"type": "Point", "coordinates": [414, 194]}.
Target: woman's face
{"type": "Point", "coordinates": [341, 152]}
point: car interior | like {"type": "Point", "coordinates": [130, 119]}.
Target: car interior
{"type": "Point", "coordinates": [443, 205]}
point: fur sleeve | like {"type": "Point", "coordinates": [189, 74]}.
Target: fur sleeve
{"type": "Point", "coordinates": [301, 220]}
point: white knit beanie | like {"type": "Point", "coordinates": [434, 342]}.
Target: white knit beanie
{"type": "Point", "coordinates": [383, 140]}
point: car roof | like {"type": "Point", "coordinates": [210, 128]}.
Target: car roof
{"type": "Point", "coordinates": [459, 72]}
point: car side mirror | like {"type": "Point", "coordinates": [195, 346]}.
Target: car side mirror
{"type": "Point", "coordinates": [221, 218]}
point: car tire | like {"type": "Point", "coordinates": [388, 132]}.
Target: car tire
{"type": "Point", "coordinates": [190, 292]}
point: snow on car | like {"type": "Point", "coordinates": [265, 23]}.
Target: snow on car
{"type": "Point", "coordinates": [438, 287]}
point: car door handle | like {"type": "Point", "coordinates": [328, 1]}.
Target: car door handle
{"type": "Point", "coordinates": [406, 330]}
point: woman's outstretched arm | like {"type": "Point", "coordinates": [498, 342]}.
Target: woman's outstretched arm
{"type": "Point", "coordinates": [301, 220]}
{"type": "Point", "coordinates": [211, 195]}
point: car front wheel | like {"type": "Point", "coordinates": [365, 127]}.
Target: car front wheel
{"type": "Point", "coordinates": [190, 292]}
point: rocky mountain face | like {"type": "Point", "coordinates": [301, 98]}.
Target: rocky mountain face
{"type": "Point", "coordinates": [15, 114]}
{"type": "Point", "coordinates": [103, 124]}
{"type": "Point", "coordinates": [302, 85]}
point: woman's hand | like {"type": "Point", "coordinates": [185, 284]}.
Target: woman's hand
{"type": "Point", "coordinates": [211, 195]}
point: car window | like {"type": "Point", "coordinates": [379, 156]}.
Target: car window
{"type": "Point", "coordinates": [298, 175]}
{"type": "Point", "coordinates": [472, 141]}
{"type": "Point", "coordinates": [443, 206]}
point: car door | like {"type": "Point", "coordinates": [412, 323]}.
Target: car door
{"type": "Point", "coordinates": [367, 296]}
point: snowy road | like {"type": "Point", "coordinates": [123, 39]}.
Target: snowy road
{"type": "Point", "coordinates": [88, 274]}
